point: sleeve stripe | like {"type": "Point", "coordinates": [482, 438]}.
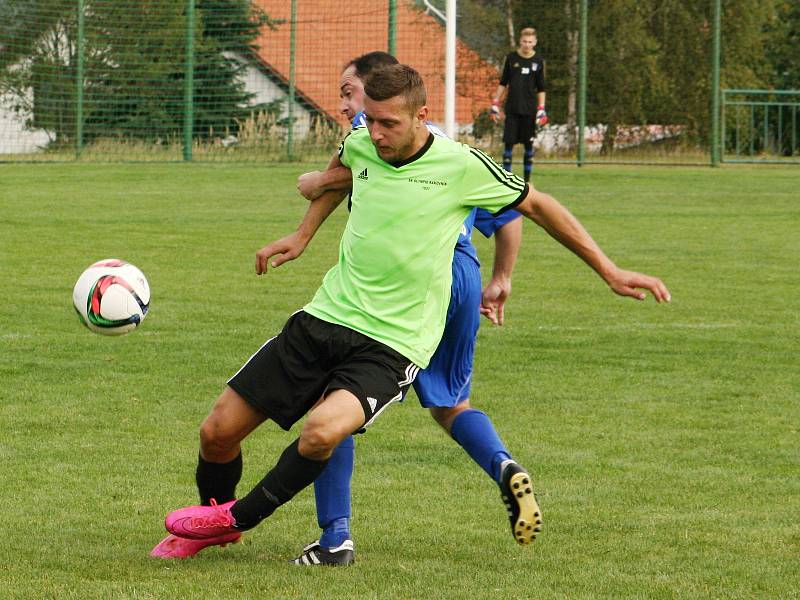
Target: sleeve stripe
{"type": "Point", "coordinates": [498, 168]}
{"type": "Point", "coordinates": [515, 203]}
{"type": "Point", "coordinates": [508, 179]}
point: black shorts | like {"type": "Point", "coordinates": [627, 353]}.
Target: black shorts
{"type": "Point", "coordinates": [311, 357]}
{"type": "Point", "coordinates": [519, 129]}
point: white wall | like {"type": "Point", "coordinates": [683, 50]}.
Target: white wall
{"type": "Point", "coordinates": [255, 82]}
{"type": "Point", "coordinates": [14, 138]}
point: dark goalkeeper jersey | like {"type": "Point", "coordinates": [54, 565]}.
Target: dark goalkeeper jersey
{"type": "Point", "coordinates": [524, 79]}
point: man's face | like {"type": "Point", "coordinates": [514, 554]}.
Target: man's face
{"type": "Point", "coordinates": [526, 44]}
{"type": "Point", "coordinates": [392, 127]}
{"type": "Point", "coordinates": [351, 93]}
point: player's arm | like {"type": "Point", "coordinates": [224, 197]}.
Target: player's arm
{"type": "Point", "coordinates": [541, 98]}
{"type": "Point", "coordinates": [499, 94]}
{"type": "Point", "coordinates": [557, 221]}
{"type": "Point", "coordinates": [292, 246]}
{"type": "Point", "coordinates": [497, 100]}
{"type": "Point", "coordinates": [507, 240]}
{"type": "Point", "coordinates": [314, 183]}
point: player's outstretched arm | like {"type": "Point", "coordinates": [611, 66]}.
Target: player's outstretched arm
{"type": "Point", "coordinates": [290, 247]}
{"type": "Point", "coordinates": [314, 183]}
{"type": "Point", "coordinates": [507, 240]}
{"type": "Point", "coordinates": [549, 214]}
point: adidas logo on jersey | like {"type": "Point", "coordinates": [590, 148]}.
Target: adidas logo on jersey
{"type": "Point", "coordinates": [363, 175]}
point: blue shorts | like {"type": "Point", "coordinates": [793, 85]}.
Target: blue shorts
{"type": "Point", "coordinates": [447, 380]}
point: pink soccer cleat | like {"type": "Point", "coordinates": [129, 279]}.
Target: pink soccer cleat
{"type": "Point", "coordinates": [202, 522]}
{"type": "Point", "coordinates": [174, 547]}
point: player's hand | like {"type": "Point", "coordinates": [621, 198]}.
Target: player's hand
{"type": "Point", "coordinates": [310, 185]}
{"type": "Point", "coordinates": [493, 300]}
{"type": "Point", "coordinates": [541, 116]}
{"type": "Point", "coordinates": [285, 249]}
{"type": "Point", "coordinates": [631, 283]}
{"type": "Point", "coordinates": [494, 111]}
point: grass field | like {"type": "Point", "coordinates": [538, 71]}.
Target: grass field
{"type": "Point", "coordinates": [663, 439]}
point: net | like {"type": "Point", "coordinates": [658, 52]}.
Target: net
{"type": "Point", "coordinates": [242, 80]}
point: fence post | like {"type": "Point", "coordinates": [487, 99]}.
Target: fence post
{"type": "Point", "coordinates": [188, 100]}
{"type": "Point", "coordinates": [583, 41]}
{"type": "Point", "coordinates": [715, 59]}
{"type": "Point", "coordinates": [81, 50]}
{"type": "Point", "coordinates": [292, 52]}
{"type": "Point", "coordinates": [392, 46]}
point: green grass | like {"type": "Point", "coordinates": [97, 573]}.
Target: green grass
{"type": "Point", "coordinates": [663, 439]}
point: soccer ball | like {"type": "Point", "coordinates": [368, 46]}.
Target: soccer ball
{"type": "Point", "coordinates": [111, 297]}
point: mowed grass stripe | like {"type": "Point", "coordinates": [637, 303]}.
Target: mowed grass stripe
{"type": "Point", "coordinates": [663, 440]}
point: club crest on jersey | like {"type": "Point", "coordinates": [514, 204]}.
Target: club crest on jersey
{"type": "Point", "coordinates": [363, 175]}
{"type": "Point", "coordinates": [427, 183]}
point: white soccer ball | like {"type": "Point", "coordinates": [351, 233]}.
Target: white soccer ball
{"type": "Point", "coordinates": [111, 297]}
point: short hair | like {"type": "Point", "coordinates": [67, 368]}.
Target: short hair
{"type": "Point", "coordinates": [366, 63]}
{"type": "Point", "coordinates": [527, 31]}
{"type": "Point", "coordinates": [397, 80]}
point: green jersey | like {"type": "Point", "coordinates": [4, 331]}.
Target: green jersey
{"type": "Point", "coordinates": [392, 281]}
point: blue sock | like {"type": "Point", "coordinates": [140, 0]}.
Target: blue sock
{"type": "Point", "coordinates": [332, 494]}
{"type": "Point", "coordinates": [527, 164]}
{"type": "Point", "coordinates": [475, 432]}
{"type": "Point", "coordinates": [507, 154]}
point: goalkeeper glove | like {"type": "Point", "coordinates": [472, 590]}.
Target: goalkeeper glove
{"type": "Point", "coordinates": [494, 111]}
{"type": "Point", "coordinates": [541, 116]}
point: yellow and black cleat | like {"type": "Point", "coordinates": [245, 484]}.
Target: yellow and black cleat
{"type": "Point", "coordinates": [516, 489]}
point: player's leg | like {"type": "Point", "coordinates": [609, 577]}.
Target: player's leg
{"type": "Point", "coordinates": [508, 155]}
{"type": "Point", "coordinates": [219, 468]}
{"type": "Point", "coordinates": [527, 160]}
{"type": "Point", "coordinates": [332, 495]}
{"type": "Point", "coordinates": [359, 388]}
{"type": "Point", "coordinates": [444, 387]}
{"type": "Point", "coordinates": [474, 431]}
{"type": "Point", "coordinates": [278, 382]}
{"type": "Point", "coordinates": [332, 419]}
{"type": "Point", "coordinates": [509, 139]}
{"type": "Point", "coordinates": [377, 379]}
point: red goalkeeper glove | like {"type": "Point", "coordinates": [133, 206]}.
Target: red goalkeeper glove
{"type": "Point", "coordinates": [541, 116]}
{"type": "Point", "coordinates": [494, 111]}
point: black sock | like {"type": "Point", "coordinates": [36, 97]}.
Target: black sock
{"type": "Point", "coordinates": [218, 480]}
{"type": "Point", "coordinates": [291, 474]}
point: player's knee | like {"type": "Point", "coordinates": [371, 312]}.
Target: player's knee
{"type": "Point", "coordinates": [215, 439]}
{"type": "Point", "coordinates": [445, 416]}
{"type": "Point", "coordinates": [318, 440]}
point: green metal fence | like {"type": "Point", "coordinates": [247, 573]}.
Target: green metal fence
{"type": "Point", "coordinates": [242, 80]}
{"type": "Point", "coordinates": [761, 126]}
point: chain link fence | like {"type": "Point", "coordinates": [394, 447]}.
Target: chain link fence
{"type": "Point", "coordinates": [241, 80]}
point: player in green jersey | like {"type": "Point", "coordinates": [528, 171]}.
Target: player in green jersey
{"type": "Point", "coordinates": [379, 313]}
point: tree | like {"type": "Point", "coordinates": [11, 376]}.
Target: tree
{"type": "Point", "coordinates": [134, 77]}
{"type": "Point", "coordinates": [783, 39]}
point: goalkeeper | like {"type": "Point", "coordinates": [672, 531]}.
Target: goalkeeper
{"type": "Point", "coordinates": [522, 86]}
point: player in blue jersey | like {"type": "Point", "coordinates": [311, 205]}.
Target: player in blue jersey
{"type": "Point", "coordinates": [444, 387]}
